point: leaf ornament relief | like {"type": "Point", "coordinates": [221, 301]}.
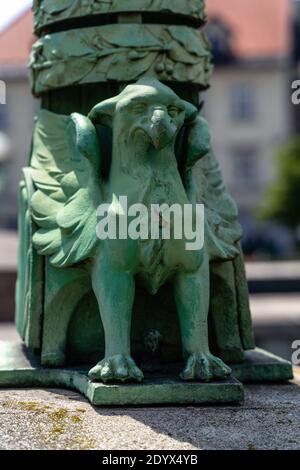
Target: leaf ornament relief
{"type": "Point", "coordinates": [50, 11]}
{"type": "Point", "coordinates": [120, 52]}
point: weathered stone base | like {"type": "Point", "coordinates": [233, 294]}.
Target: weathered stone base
{"type": "Point", "coordinates": [166, 391]}
{"type": "Point", "coordinates": [261, 366]}
{"type": "Point", "coordinates": [19, 368]}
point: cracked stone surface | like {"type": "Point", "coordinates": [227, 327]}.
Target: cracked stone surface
{"type": "Point", "coordinates": [60, 419]}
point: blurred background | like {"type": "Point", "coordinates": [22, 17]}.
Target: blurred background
{"type": "Point", "coordinates": [256, 136]}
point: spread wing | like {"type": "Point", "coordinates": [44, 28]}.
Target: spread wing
{"type": "Point", "coordinates": [66, 173]}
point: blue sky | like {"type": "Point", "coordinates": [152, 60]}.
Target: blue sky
{"type": "Point", "coordinates": [9, 9]}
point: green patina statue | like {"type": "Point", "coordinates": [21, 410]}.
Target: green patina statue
{"type": "Point", "coordinates": [146, 119]}
{"type": "Point", "coordinates": [121, 118]}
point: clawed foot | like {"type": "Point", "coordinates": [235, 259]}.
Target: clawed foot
{"type": "Point", "coordinates": [119, 367]}
{"type": "Point", "coordinates": [204, 366]}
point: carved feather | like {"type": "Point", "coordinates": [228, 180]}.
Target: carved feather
{"type": "Point", "coordinates": [66, 174]}
{"type": "Point", "coordinates": [205, 185]}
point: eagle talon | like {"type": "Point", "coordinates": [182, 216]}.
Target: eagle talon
{"type": "Point", "coordinates": [204, 367]}
{"type": "Point", "coordinates": [116, 368]}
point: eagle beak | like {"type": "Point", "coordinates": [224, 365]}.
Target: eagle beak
{"type": "Point", "coordinates": [162, 131]}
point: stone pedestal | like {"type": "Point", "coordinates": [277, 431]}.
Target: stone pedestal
{"type": "Point", "coordinates": [20, 368]}
{"type": "Point", "coordinates": [84, 58]}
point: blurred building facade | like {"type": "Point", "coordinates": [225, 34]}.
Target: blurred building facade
{"type": "Point", "coordinates": [248, 106]}
{"type": "Point", "coordinates": [296, 59]}
{"type": "Point", "coordinates": [16, 115]}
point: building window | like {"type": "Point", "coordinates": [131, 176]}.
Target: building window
{"type": "Point", "coordinates": [243, 102]}
{"type": "Point", "coordinates": [245, 172]}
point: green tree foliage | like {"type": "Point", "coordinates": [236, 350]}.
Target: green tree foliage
{"type": "Point", "coordinates": [282, 201]}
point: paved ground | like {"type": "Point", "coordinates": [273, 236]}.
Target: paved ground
{"type": "Point", "coordinates": [57, 419]}
{"type": "Point", "coordinates": [8, 332]}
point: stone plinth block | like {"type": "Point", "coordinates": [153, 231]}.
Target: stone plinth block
{"type": "Point", "coordinates": [261, 366]}
{"type": "Point", "coordinates": [19, 368]}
